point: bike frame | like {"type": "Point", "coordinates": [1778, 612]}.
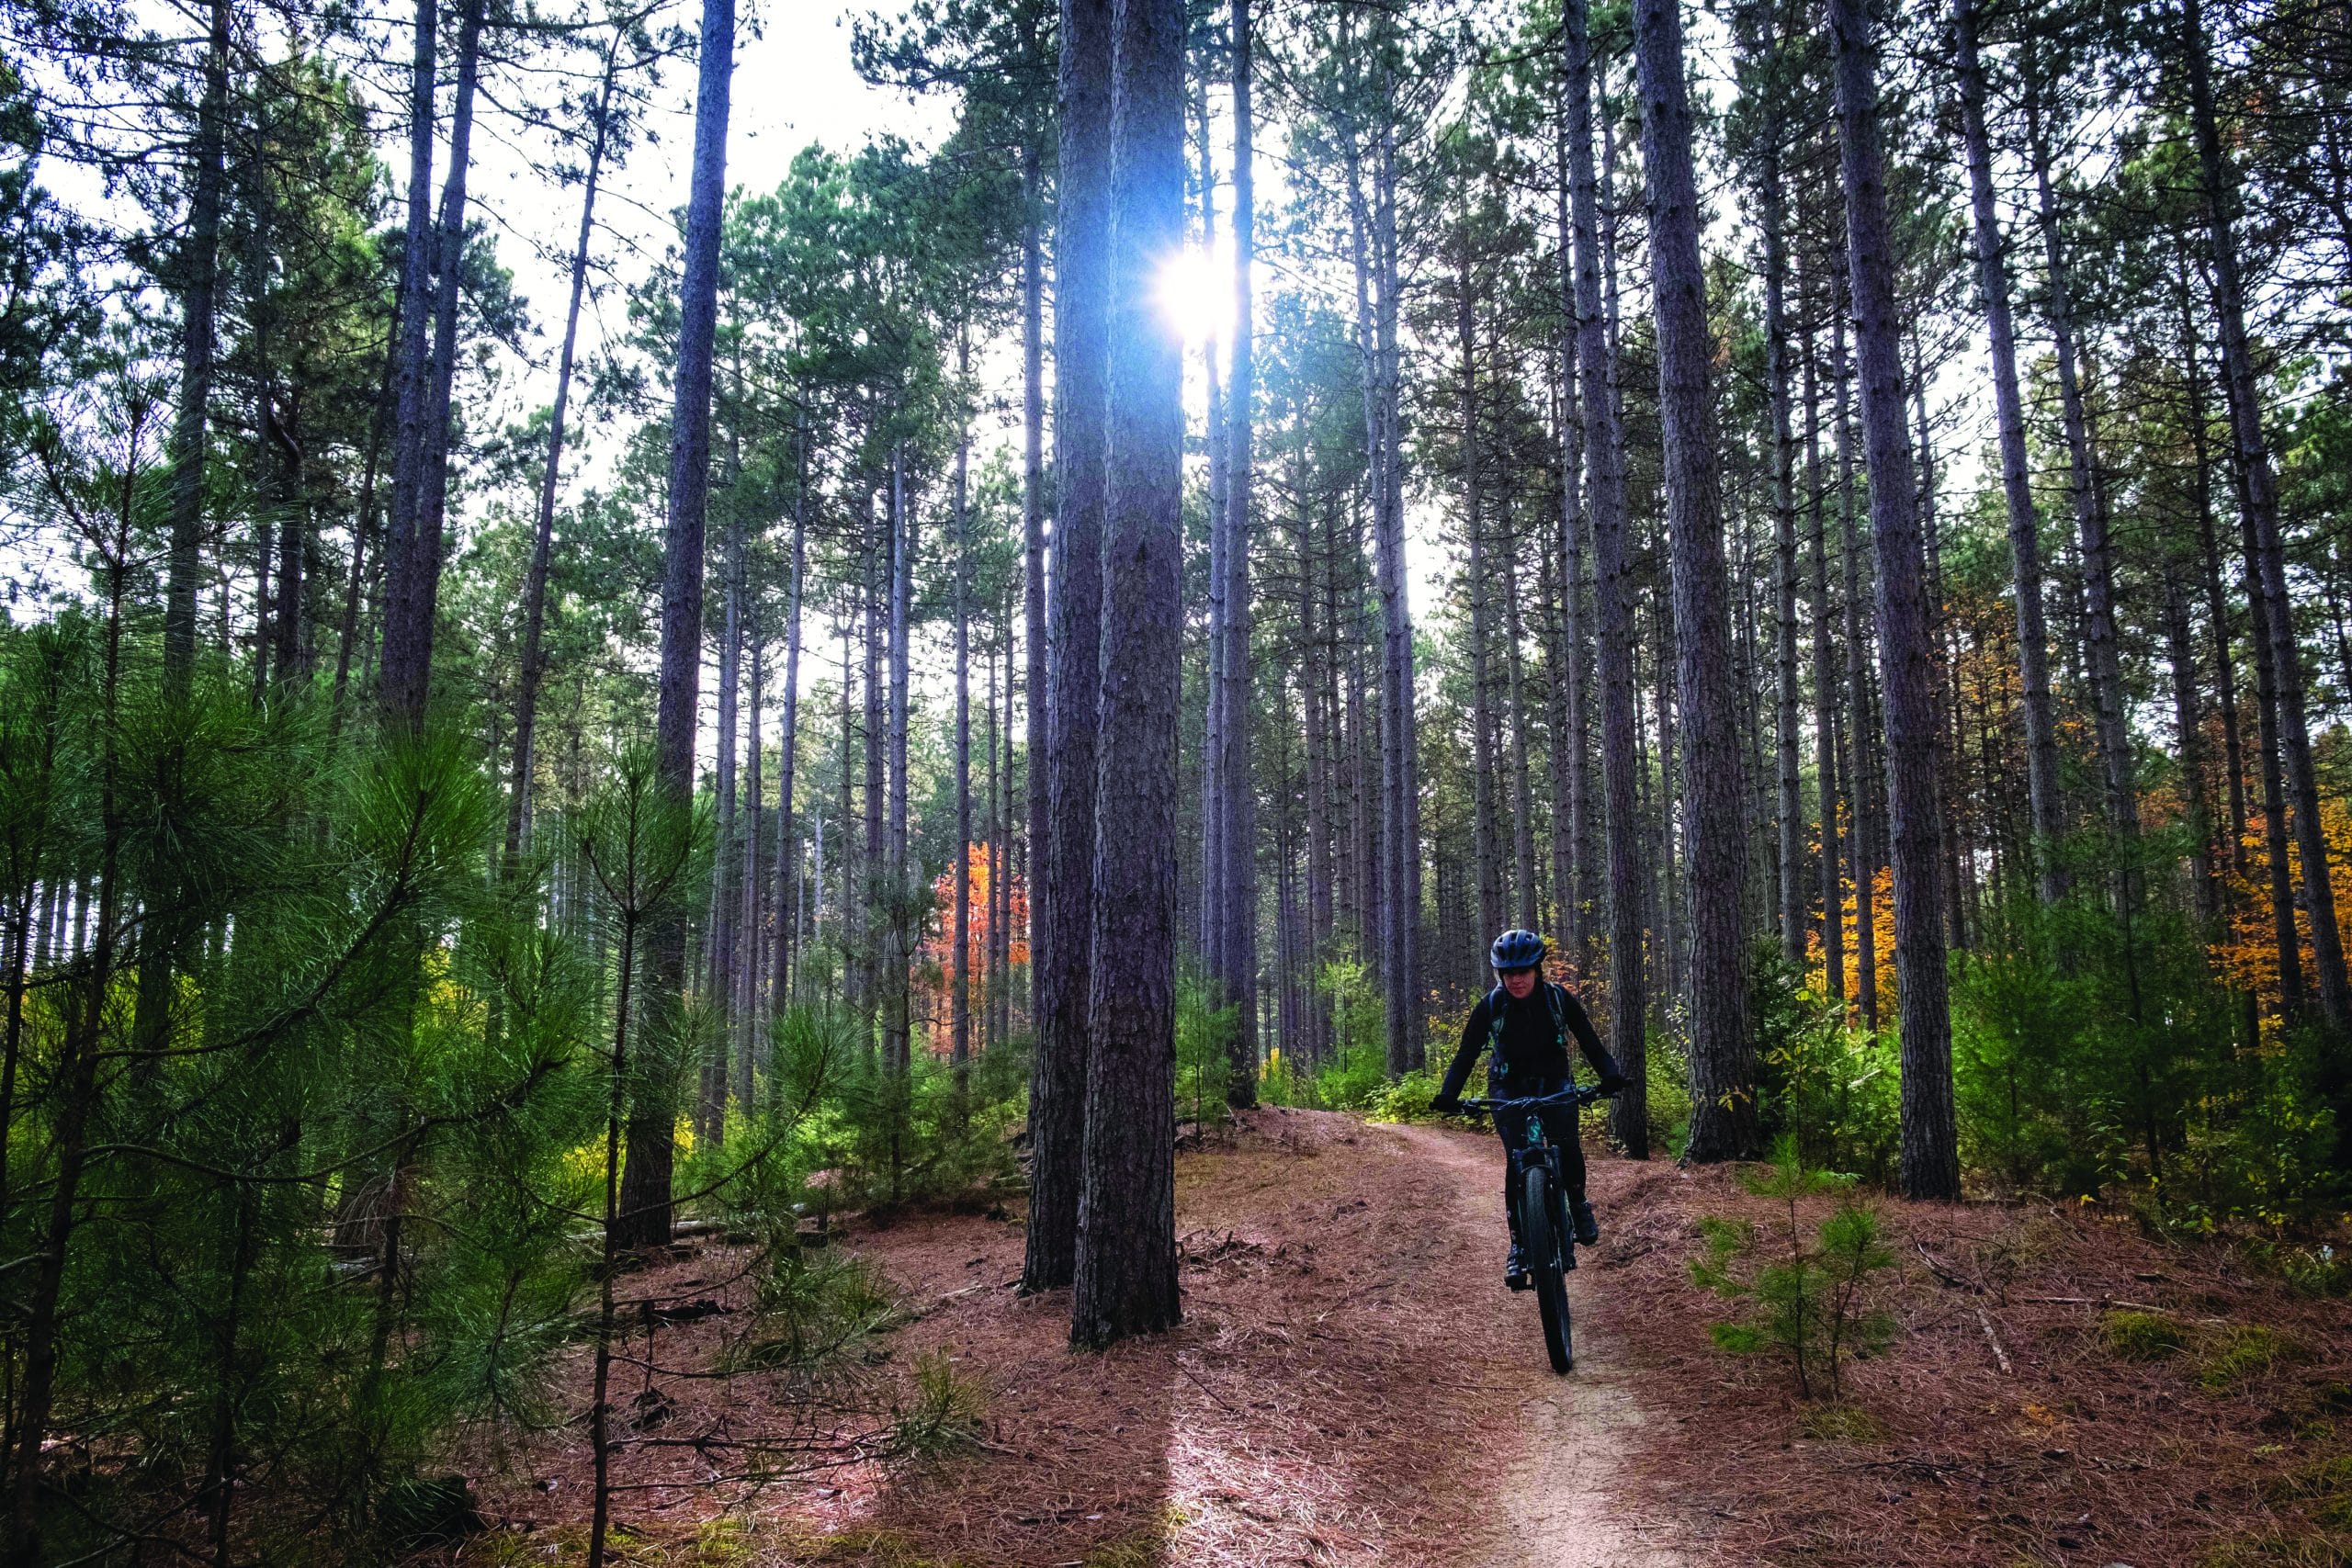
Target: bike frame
{"type": "Point", "coordinates": [1537, 1147]}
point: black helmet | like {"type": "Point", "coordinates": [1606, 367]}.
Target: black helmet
{"type": "Point", "coordinates": [1517, 949]}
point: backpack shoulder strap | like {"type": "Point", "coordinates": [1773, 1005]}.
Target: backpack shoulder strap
{"type": "Point", "coordinates": [1557, 998]}
{"type": "Point", "coordinates": [1495, 1006]}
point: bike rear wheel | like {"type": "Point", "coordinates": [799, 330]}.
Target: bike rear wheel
{"type": "Point", "coordinates": [1540, 1248]}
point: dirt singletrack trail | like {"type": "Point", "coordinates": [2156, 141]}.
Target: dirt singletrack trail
{"type": "Point", "coordinates": [1570, 1498]}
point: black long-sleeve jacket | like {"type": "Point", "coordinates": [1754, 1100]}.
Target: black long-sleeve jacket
{"type": "Point", "coordinates": [1531, 1048]}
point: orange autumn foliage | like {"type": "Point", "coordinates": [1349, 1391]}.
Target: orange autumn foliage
{"type": "Point", "coordinates": [2247, 955]}
{"type": "Point", "coordinates": [935, 976]}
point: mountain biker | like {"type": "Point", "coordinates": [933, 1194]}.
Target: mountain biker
{"type": "Point", "coordinates": [1529, 1034]}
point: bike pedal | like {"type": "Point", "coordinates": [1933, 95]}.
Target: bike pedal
{"type": "Point", "coordinates": [1518, 1282]}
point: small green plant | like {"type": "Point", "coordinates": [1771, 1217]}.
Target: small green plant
{"type": "Point", "coordinates": [2140, 1336]}
{"type": "Point", "coordinates": [816, 1311]}
{"type": "Point", "coordinates": [2249, 1352]}
{"type": "Point", "coordinates": [1203, 1049]}
{"type": "Point", "coordinates": [1808, 1299]}
{"type": "Point", "coordinates": [945, 1413]}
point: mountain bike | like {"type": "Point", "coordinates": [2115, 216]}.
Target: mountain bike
{"type": "Point", "coordinates": [1547, 1247]}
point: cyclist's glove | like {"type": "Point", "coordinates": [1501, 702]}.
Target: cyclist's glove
{"type": "Point", "coordinates": [1446, 1105]}
{"type": "Point", "coordinates": [1614, 1083]}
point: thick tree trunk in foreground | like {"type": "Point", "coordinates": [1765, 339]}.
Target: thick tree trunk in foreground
{"type": "Point", "coordinates": [644, 1218]}
{"type": "Point", "coordinates": [1724, 1123]}
{"type": "Point", "coordinates": [1125, 1280]}
{"type": "Point", "coordinates": [1930, 1144]}
{"type": "Point", "coordinates": [1062, 940]}
{"type": "Point", "coordinates": [1612, 594]}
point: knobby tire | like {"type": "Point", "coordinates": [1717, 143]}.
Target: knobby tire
{"type": "Point", "coordinates": [1541, 1249]}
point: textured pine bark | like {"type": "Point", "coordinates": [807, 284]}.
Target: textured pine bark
{"type": "Point", "coordinates": [1931, 1153]}
{"type": "Point", "coordinates": [412, 375]}
{"type": "Point", "coordinates": [1126, 1279]}
{"type": "Point", "coordinates": [1724, 1122]}
{"type": "Point", "coordinates": [1064, 937]}
{"type": "Point", "coordinates": [1613, 596]}
{"type": "Point", "coordinates": [1237, 835]}
{"type": "Point", "coordinates": [415, 585]}
{"type": "Point", "coordinates": [1789, 797]}
{"type": "Point", "coordinates": [1826, 750]}
{"type": "Point", "coordinates": [1035, 693]}
{"type": "Point", "coordinates": [644, 1217]}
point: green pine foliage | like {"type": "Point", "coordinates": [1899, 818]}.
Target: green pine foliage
{"type": "Point", "coordinates": [1808, 1299]}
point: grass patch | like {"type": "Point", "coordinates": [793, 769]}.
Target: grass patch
{"type": "Point", "coordinates": [862, 1549]}
{"type": "Point", "coordinates": [2249, 1352]}
{"type": "Point", "coordinates": [2276, 1549]}
{"type": "Point", "coordinates": [1840, 1424]}
{"type": "Point", "coordinates": [2140, 1336]}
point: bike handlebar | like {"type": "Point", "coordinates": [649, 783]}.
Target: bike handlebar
{"type": "Point", "coordinates": [1572, 1095]}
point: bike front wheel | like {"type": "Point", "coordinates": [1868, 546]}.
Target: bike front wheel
{"type": "Point", "coordinates": [1540, 1248]}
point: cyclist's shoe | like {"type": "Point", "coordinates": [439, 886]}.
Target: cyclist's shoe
{"type": "Point", "coordinates": [1587, 1224]}
{"type": "Point", "coordinates": [1515, 1270]}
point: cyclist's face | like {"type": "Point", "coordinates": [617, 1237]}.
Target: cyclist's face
{"type": "Point", "coordinates": [1519, 982]}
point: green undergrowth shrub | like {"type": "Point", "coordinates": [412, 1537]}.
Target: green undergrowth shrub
{"type": "Point", "coordinates": [816, 1310]}
{"type": "Point", "coordinates": [1203, 1049]}
{"type": "Point", "coordinates": [1836, 1089]}
{"type": "Point", "coordinates": [1807, 1298]}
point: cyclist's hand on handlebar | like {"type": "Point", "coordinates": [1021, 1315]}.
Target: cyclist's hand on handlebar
{"type": "Point", "coordinates": [1446, 1105]}
{"type": "Point", "coordinates": [1615, 1084]}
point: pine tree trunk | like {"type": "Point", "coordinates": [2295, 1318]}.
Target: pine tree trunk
{"type": "Point", "coordinates": [1827, 749]}
{"type": "Point", "coordinates": [414, 372]}
{"type": "Point", "coordinates": [1861, 793]}
{"type": "Point", "coordinates": [899, 936]}
{"type": "Point", "coordinates": [1125, 1277]}
{"type": "Point", "coordinates": [2090, 522]}
{"type": "Point", "coordinates": [1613, 596]}
{"type": "Point", "coordinates": [1930, 1136]}
{"type": "Point", "coordinates": [1035, 693]}
{"type": "Point", "coordinates": [2273, 613]}
{"type": "Point", "coordinates": [1237, 835]}
{"type": "Point", "coordinates": [1485, 831]}
{"type": "Point", "coordinates": [1062, 941]}
{"type": "Point", "coordinates": [787, 859]}
{"type": "Point", "coordinates": [535, 580]}
{"type": "Point", "coordinates": [415, 585]}
{"type": "Point", "coordinates": [960, 972]}
{"type": "Point", "coordinates": [2025, 538]}
{"type": "Point", "coordinates": [1723, 1122]}
{"type": "Point", "coordinates": [644, 1216]}
{"type": "Point", "coordinates": [1790, 799]}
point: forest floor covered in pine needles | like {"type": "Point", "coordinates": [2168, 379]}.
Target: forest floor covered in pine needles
{"type": "Point", "coordinates": [1352, 1385]}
